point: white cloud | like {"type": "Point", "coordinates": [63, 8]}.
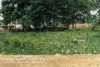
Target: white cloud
{"type": "Point", "coordinates": [1, 18]}
{"type": "Point", "coordinates": [0, 3]}
{"type": "Point", "coordinates": [94, 12]}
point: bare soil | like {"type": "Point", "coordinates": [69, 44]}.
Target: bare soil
{"type": "Point", "coordinates": [49, 60]}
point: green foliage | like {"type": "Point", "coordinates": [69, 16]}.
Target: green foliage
{"type": "Point", "coordinates": [40, 11]}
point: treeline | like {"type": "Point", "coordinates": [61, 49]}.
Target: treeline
{"type": "Point", "coordinates": [44, 13]}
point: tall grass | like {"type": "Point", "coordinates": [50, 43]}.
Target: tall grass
{"type": "Point", "coordinates": [67, 42]}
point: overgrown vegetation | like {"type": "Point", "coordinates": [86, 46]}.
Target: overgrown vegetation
{"type": "Point", "coordinates": [67, 42]}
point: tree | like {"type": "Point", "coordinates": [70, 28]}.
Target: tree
{"type": "Point", "coordinates": [41, 13]}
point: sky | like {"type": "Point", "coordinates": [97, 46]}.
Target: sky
{"type": "Point", "coordinates": [0, 8]}
{"type": "Point", "coordinates": [0, 3]}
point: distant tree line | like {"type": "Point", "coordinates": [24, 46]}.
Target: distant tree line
{"type": "Point", "coordinates": [42, 13]}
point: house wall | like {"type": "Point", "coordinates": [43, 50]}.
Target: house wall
{"type": "Point", "coordinates": [81, 26]}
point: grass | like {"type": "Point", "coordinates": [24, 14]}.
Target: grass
{"type": "Point", "coordinates": [37, 43]}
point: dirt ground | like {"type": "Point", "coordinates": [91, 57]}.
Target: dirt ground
{"type": "Point", "coordinates": [50, 61]}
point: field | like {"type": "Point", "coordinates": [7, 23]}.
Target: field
{"type": "Point", "coordinates": [37, 43]}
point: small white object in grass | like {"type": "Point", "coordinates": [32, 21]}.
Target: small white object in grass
{"type": "Point", "coordinates": [78, 40]}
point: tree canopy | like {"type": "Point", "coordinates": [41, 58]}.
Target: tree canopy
{"type": "Point", "coordinates": [42, 12]}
